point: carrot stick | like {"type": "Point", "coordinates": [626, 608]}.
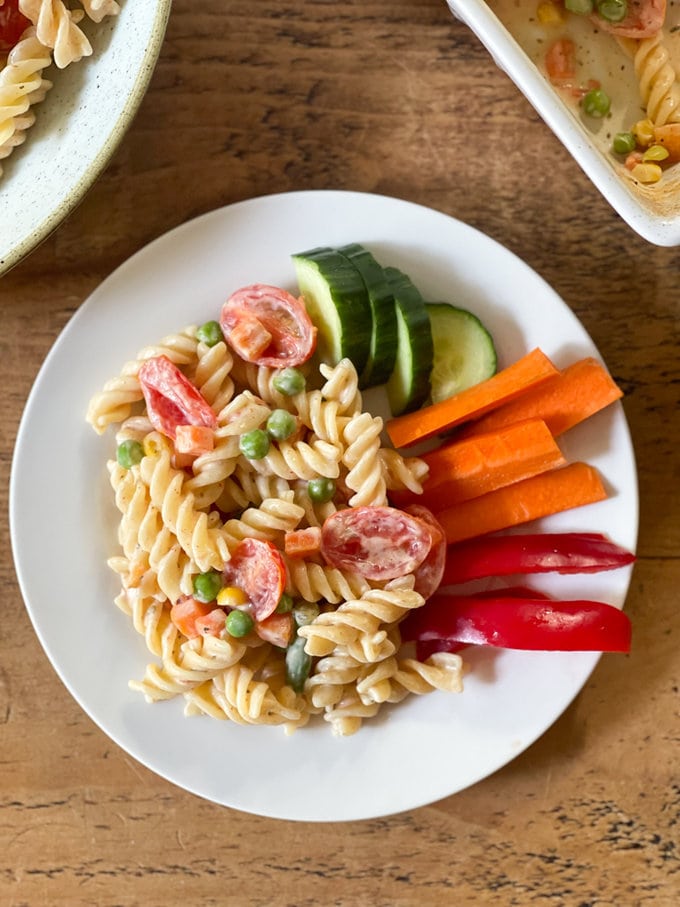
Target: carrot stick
{"type": "Point", "coordinates": [579, 391]}
{"type": "Point", "coordinates": [505, 385]}
{"type": "Point", "coordinates": [467, 469]}
{"type": "Point", "coordinates": [541, 496]}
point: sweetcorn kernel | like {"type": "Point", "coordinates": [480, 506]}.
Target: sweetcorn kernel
{"type": "Point", "coordinates": [643, 131]}
{"type": "Point", "coordinates": [231, 597]}
{"type": "Point", "coordinates": [549, 14]}
{"type": "Point", "coordinates": [647, 173]}
{"type": "Point", "coordinates": [655, 153]}
{"type": "Point", "coordinates": [153, 445]}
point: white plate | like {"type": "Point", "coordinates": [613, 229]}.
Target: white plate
{"type": "Point", "coordinates": [63, 520]}
{"type": "Point", "coordinates": [78, 126]}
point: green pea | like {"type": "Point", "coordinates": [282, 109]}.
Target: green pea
{"type": "Point", "coordinates": [254, 444]}
{"type": "Point", "coordinates": [580, 7]}
{"type": "Point", "coordinates": [320, 490]}
{"type": "Point", "coordinates": [305, 613]}
{"type": "Point", "coordinates": [209, 333]}
{"type": "Point", "coordinates": [285, 604]}
{"type": "Point", "coordinates": [207, 585]}
{"type": "Point", "coordinates": [298, 664]}
{"type": "Point", "coordinates": [596, 103]}
{"type": "Point", "coordinates": [281, 424]}
{"type": "Point", "coordinates": [239, 623]}
{"type": "Point", "coordinates": [623, 143]}
{"type": "Point", "coordinates": [613, 10]}
{"type": "Point", "coordinates": [129, 453]}
{"type": "Point", "coordinates": [289, 381]}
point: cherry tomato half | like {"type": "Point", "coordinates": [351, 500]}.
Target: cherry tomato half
{"type": "Point", "coordinates": [13, 24]}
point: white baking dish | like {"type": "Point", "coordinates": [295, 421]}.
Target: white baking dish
{"type": "Point", "coordinates": [653, 211]}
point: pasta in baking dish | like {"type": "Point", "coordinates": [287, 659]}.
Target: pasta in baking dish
{"type": "Point", "coordinates": [220, 566]}
{"type": "Point", "coordinates": [33, 35]}
{"type": "Point", "coordinates": [614, 62]}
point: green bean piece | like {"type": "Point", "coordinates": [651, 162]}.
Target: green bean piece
{"type": "Point", "coordinates": [580, 7]}
{"type": "Point", "coordinates": [129, 453]}
{"type": "Point", "coordinates": [623, 143]}
{"type": "Point", "coordinates": [209, 333]}
{"type": "Point", "coordinates": [254, 444]}
{"type": "Point", "coordinates": [298, 664]}
{"type": "Point", "coordinates": [281, 424]}
{"type": "Point", "coordinates": [289, 381]}
{"type": "Point", "coordinates": [596, 103]}
{"type": "Point", "coordinates": [285, 604]}
{"type": "Point", "coordinates": [320, 490]}
{"type": "Point", "coordinates": [613, 10]}
{"type": "Point", "coordinates": [305, 613]}
{"type": "Point", "coordinates": [239, 623]}
{"type": "Point", "coordinates": [207, 585]}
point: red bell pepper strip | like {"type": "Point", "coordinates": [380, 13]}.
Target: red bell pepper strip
{"type": "Point", "coordinates": [427, 647]}
{"type": "Point", "coordinates": [509, 622]}
{"type": "Point", "coordinates": [559, 552]}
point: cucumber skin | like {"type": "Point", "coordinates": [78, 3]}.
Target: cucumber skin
{"type": "Point", "coordinates": [416, 322]}
{"type": "Point", "coordinates": [347, 294]}
{"type": "Point", "coordinates": [383, 350]}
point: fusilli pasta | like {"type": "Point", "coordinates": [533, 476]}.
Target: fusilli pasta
{"type": "Point", "coordinates": [179, 521]}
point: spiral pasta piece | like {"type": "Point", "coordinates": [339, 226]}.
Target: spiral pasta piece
{"type": "Point", "coordinates": [149, 617]}
{"type": "Point", "coordinates": [342, 385]}
{"type": "Point", "coordinates": [356, 626]}
{"type": "Point", "coordinates": [206, 545]}
{"type": "Point", "coordinates": [212, 374]}
{"type": "Point", "coordinates": [365, 477]}
{"type": "Point", "coordinates": [320, 415]}
{"type": "Point", "coordinates": [21, 87]}
{"type": "Point", "coordinates": [393, 679]}
{"type": "Point", "coordinates": [659, 90]}
{"type": "Point", "coordinates": [300, 460]}
{"type": "Point", "coordinates": [347, 715]}
{"type": "Point", "coordinates": [100, 9]}
{"type": "Point", "coordinates": [319, 582]}
{"type": "Point", "coordinates": [402, 473]}
{"type": "Point", "coordinates": [268, 522]}
{"type": "Point", "coordinates": [57, 27]}
{"type": "Point", "coordinates": [332, 675]}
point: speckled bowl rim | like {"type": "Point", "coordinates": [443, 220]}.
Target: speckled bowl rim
{"type": "Point", "coordinates": [106, 152]}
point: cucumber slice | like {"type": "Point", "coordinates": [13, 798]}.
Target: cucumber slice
{"type": "Point", "coordinates": [464, 351]}
{"type": "Point", "coordinates": [409, 384]}
{"type": "Point", "coordinates": [382, 353]}
{"type": "Point", "coordinates": [337, 302]}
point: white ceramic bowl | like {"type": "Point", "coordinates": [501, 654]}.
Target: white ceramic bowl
{"type": "Point", "coordinates": [78, 126]}
{"type": "Point", "coordinates": [653, 211]}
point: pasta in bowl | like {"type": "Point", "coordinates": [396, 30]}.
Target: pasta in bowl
{"type": "Point", "coordinates": [606, 84]}
{"type": "Point", "coordinates": [72, 75]}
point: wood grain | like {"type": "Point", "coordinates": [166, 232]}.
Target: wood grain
{"type": "Point", "coordinates": [395, 97]}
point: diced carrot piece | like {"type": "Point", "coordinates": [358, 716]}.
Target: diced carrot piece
{"type": "Point", "coordinates": [543, 495]}
{"type": "Point", "coordinates": [185, 613]}
{"type": "Point", "coordinates": [302, 542]}
{"type": "Point", "coordinates": [194, 439]}
{"type": "Point", "coordinates": [560, 60]}
{"type": "Point", "coordinates": [473, 402]}
{"type": "Point", "coordinates": [212, 624]}
{"type": "Point", "coordinates": [250, 338]}
{"type": "Point", "coordinates": [669, 136]}
{"type": "Point", "coordinates": [577, 392]}
{"type": "Point", "coordinates": [276, 629]}
{"type": "Point", "coordinates": [467, 469]}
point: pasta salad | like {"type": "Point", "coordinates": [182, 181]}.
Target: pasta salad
{"type": "Point", "coordinates": [260, 558]}
{"type": "Point", "coordinates": [33, 35]}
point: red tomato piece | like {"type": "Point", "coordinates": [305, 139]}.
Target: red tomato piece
{"type": "Point", "coordinates": [171, 399]}
{"type": "Point", "coordinates": [429, 573]}
{"type": "Point", "coordinates": [13, 24]}
{"type": "Point", "coordinates": [379, 543]}
{"type": "Point", "coordinates": [285, 318]}
{"type": "Point", "coordinates": [257, 568]}
{"type": "Point", "coordinates": [644, 19]}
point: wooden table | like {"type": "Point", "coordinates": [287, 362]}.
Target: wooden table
{"type": "Point", "coordinates": [394, 97]}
